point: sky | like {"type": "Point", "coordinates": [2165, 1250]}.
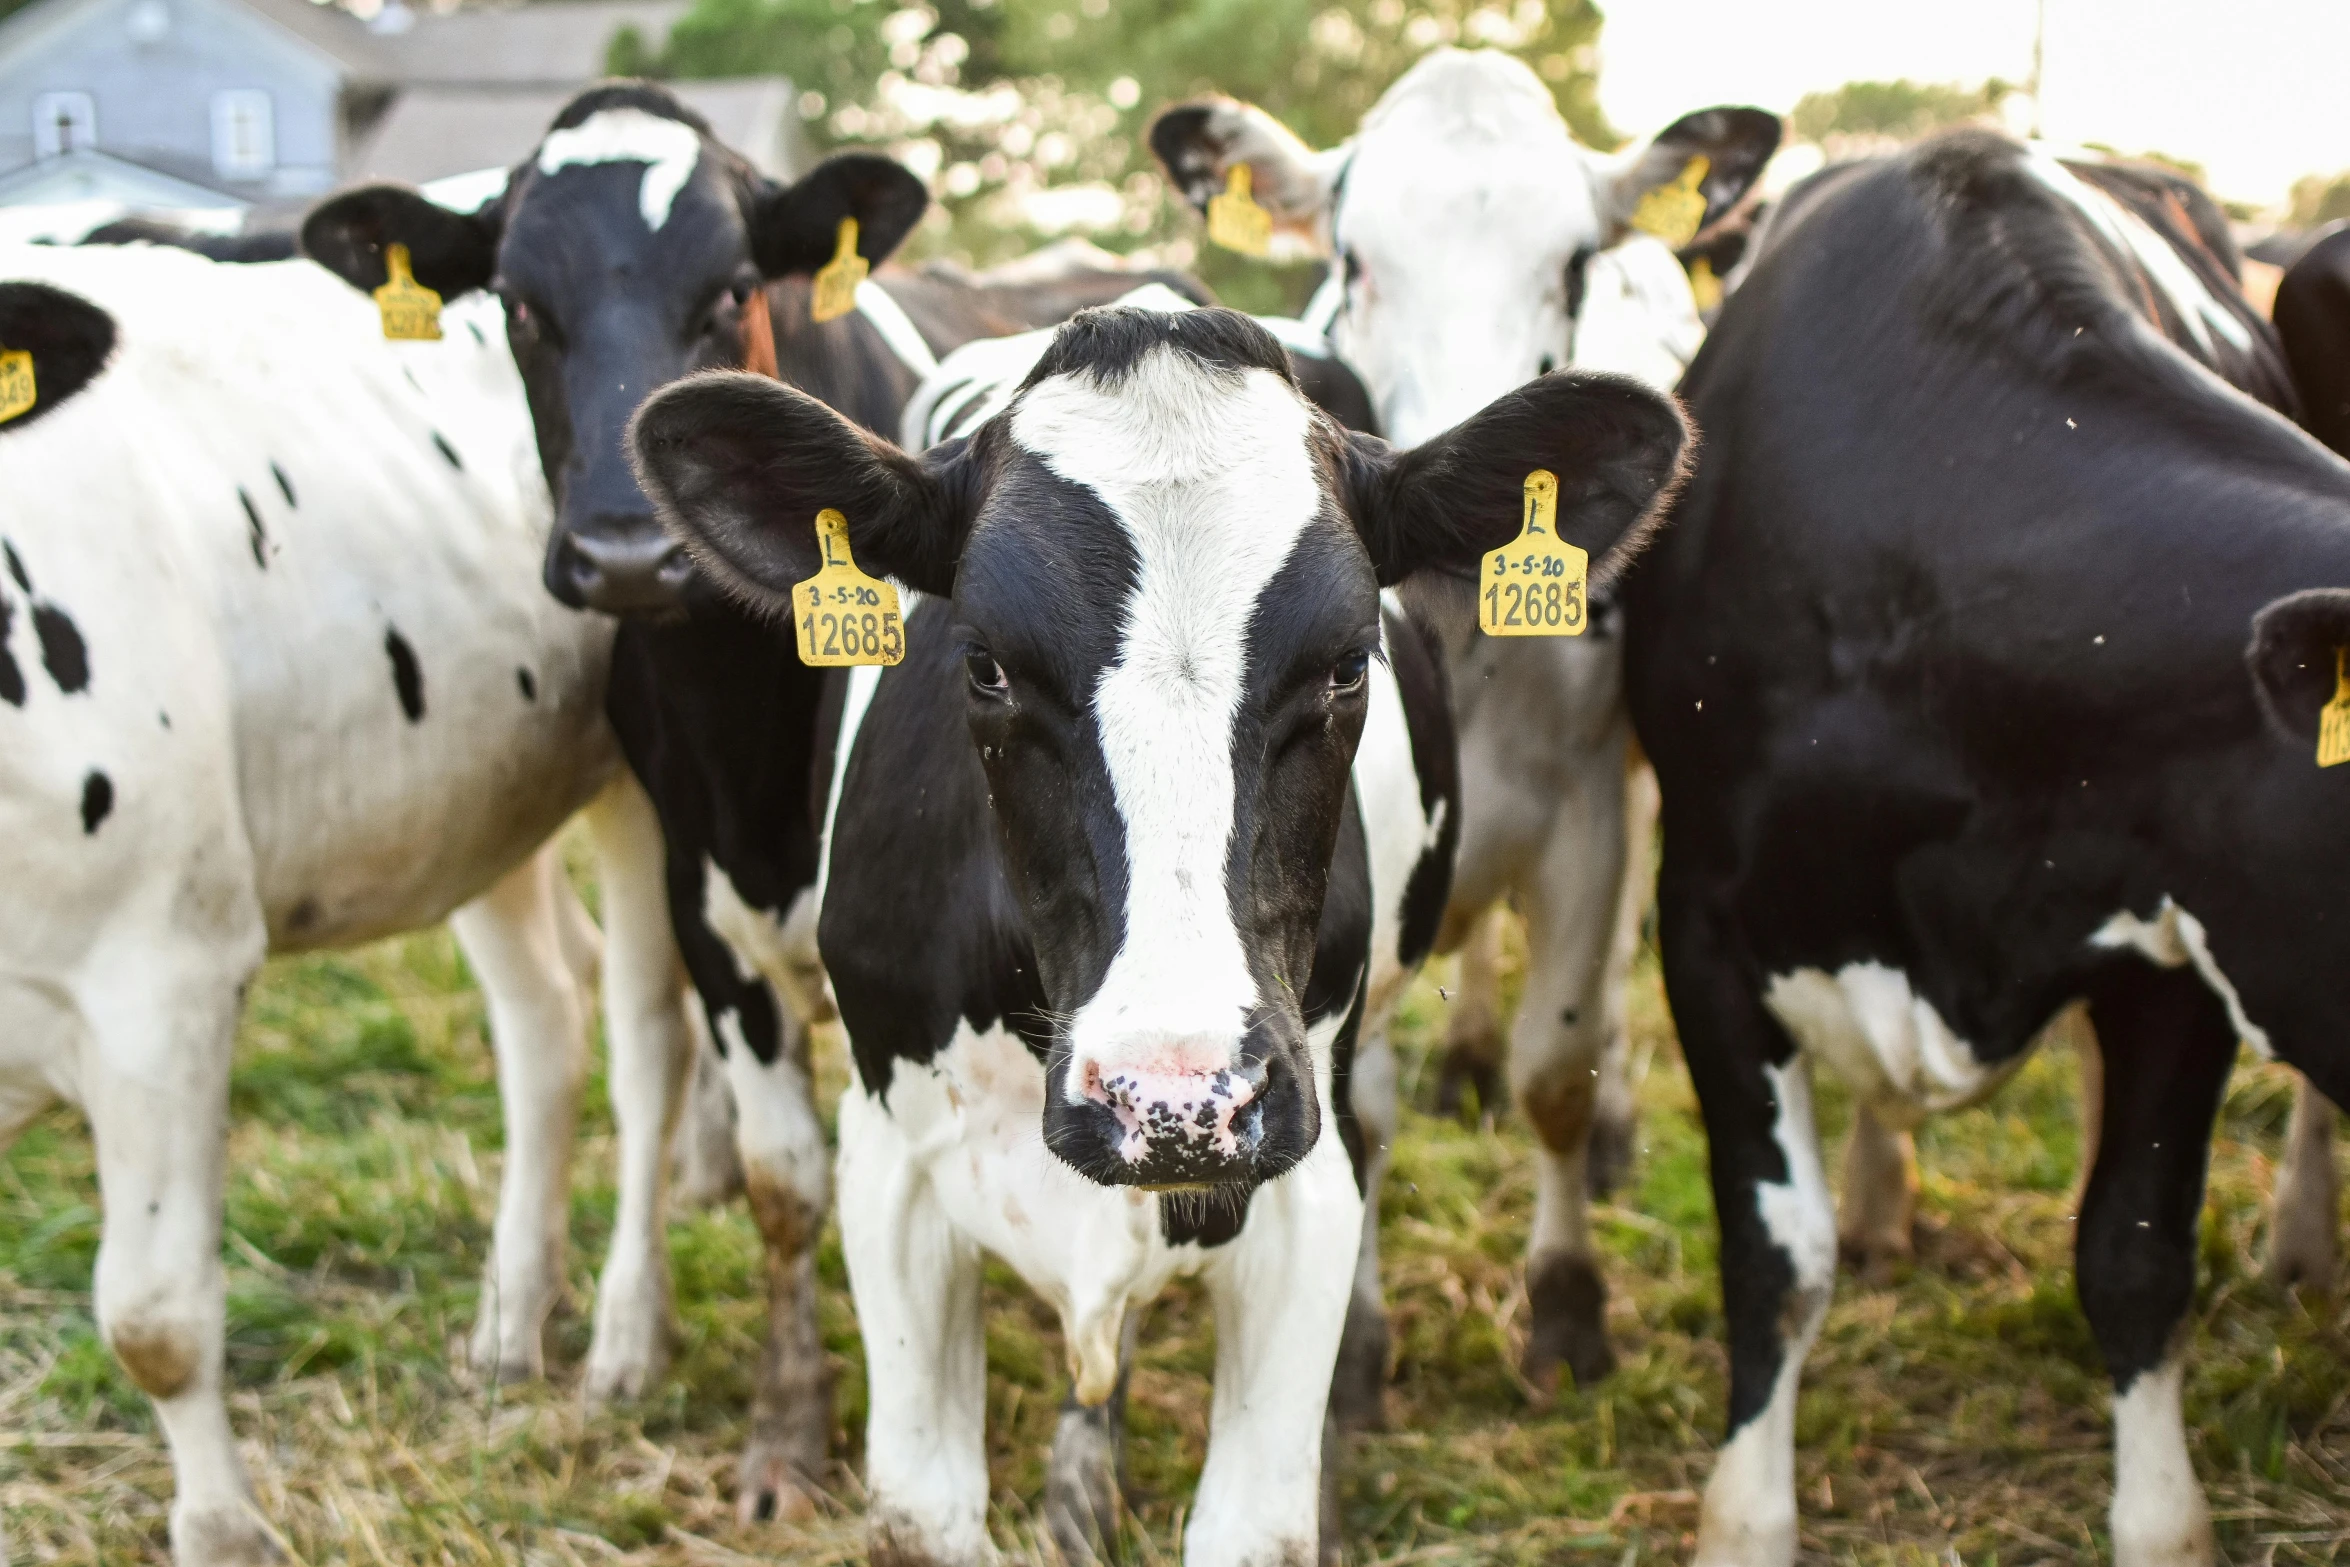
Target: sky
{"type": "Point", "coordinates": [2254, 90]}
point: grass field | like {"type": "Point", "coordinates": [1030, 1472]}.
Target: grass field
{"type": "Point", "coordinates": [1957, 1416]}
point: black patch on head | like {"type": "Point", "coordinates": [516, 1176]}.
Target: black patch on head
{"type": "Point", "coordinates": [11, 677]}
{"type": "Point", "coordinates": [632, 93]}
{"type": "Point", "coordinates": [529, 684]}
{"type": "Point", "coordinates": [1109, 341]}
{"type": "Point", "coordinates": [407, 674]}
{"type": "Point", "coordinates": [97, 800]}
{"type": "Point", "coordinates": [285, 486]}
{"type": "Point", "coordinates": [69, 338]}
{"type": "Point", "coordinates": [255, 534]}
{"type": "Point", "coordinates": [63, 652]}
{"type": "Point", "coordinates": [447, 451]}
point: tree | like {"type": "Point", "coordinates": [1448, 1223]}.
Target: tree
{"type": "Point", "coordinates": [1900, 110]}
{"type": "Point", "coordinates": [2319, 198]}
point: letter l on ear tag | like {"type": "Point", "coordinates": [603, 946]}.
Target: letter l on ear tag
{"type": "Point", "coordinates": [2333, 720]}
{"type": "Point", "coordinates": [836, 285]}
{"type": "Point", "coordinates": [842, 616]}
{"type": "Point", "coordinates": [17, 392]}
{"type": "Point", "coordinates": [1534, 586]}
{"type": "Point", "coordinates": [411, 312]}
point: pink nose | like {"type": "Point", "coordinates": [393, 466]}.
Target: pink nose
{"type": "Point", "coordinates": [1171, 1112]}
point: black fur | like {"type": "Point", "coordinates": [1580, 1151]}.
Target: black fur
{"type": "Point", "coordinates": [69, 338]}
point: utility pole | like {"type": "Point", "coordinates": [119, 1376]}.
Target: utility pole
{"type": "Point", "coordinates": [2039, 53]}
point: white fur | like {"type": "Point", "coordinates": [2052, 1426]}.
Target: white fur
{"type": "Point", "coordinates": [897, 329]}
{"type": "Point", "coordinates": [1210, 477]}
{"type": "Point", "coordinates": [1397, 830]}
{"type": "Point", "coordinates": [667, 148]}
{"type": "Point", "coordinates": [1889, 1044]}
{"type": "Point", "coordinates": [2159, 1516]}
{"type": "Point", "coordinates": [2128, 232]}
{"type": "Point", "coordinates": [2175, 939]}
{"type": "Point", "coordinates": [1639, 314]}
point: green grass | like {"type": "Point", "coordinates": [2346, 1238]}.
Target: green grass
{"type": "Point", "coordinates": [1958, 1414]}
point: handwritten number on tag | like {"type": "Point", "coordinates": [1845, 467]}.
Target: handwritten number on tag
{"type": "Point", "coordinates": [1535, 586]}
{"type": "Point", "coordinates": [843, 616]}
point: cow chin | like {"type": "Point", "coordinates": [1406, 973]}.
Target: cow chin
{"type": "Point", "coordinates": [1187, 1131]}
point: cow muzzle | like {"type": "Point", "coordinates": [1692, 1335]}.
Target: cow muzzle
{"type": "Point", "coordinates": [628, 567]}
{"type": "Point", "coordinates": [1151, 1118]}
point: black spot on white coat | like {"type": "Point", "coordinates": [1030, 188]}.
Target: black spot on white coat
{"type": "Point", "coordinates": [407, 674]}
{"type": "Point", "coordinates": [63, 652]}
{"type": "Point", "coordinates": [447, 451]}
{"type": "Point", "coordinates": [16, 566]}
{"type": "Point", "coordinates": [11, 677]}
{"type": "Point", "coordinates": [285, 486]}
{"type": "Point", "coordinates": [255, 533]}
{"type": "Point", "coordinates": [97, 800]}
{"type": "Point", "coordinates": [528, 683]}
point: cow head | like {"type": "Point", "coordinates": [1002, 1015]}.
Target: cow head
{"type": "Point", "coordinates": [1164, 569]}
{"type": "Point", "coordinates": [1458, 219]}
{"type": "Point", "coordinates": [628, 249]}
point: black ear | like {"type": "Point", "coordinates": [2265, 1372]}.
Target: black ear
{"type": "Point", "coordinates": [796, 228]}
{"type": "Point", "coordinates": [1617, 447]}
{"type": "Point", "coordinates": [1734, 142]}
{"type": "Point", "coordinates": [452, 253]}
{"type": "Point", "coordinates": [69, 338]}
{"type": "Point", "coordinates": [738, 466]}
{"type": "Point", "coordinates": [2296, 642]}
{"type": "Point", "coordinates": [1198, 143]}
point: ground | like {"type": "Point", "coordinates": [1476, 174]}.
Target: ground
{"type": "Point", "coordinates": [1957, 1416]}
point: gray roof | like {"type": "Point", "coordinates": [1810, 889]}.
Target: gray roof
{"type": "Point", "coordinates": [329, 29]}
{"type": "Point", "coordinates": [557, 43]}
{"type": "Point", "coordinates": [430, 133]}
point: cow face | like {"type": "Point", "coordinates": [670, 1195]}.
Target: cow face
{"type": "Point", "coordinates": [1458, 220]}
{"type": "Point", "coordinates": [629, 249]}
{"type": "Point", "coordinates": [1164, 567]}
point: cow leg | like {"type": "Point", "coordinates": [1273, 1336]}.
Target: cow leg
{"type": "Point", "coordinates": [2135, 1253]}
{"type": "Point", "coordinates": [1559, 1045]}
{"type": "Point", "coordinates": [1086, 1475]}
{"type": "Point", "coordinates": [786, 1178]}
{"type": "Point", "coordinates": [1358, 1388]}
{"type": "Point", "coordinates": [1880, 1197]}
{"type": "Point", "coordinates": [650, 1046]}
{"type": "Point", "coordinates": [154, 1078]}
{"type": "Point", "coordinates": [706, 1167]}
{"type": "Point", "coordinates": [916, 1284]}
{"type": "Point", "coordinates": [513, 937]}
{"type": "Point", "coordinates": [1473, 1033]}
{"type": "Point", "coordinates": [2305, 1231]}
{"type": "Point", "coordinates": [1778, 1230]}
{"type": "Point", "coordinates": [1615, 1118]}
{"type": "Point", "coordinates": [1280, 1292]}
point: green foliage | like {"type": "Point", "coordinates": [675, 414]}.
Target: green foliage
{"type": "Point", "coordinates": [1900, 109]}
{"type": "Point", "coordinates": [2319, 198]}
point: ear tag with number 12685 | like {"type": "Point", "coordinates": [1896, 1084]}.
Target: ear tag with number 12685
{"type": "Point", "coordinates": [1675, 212]}
{"type": "Point", "coordinates": [17, 393]}
{"type": "Point", "coordinates": [1235, 221]}
{"type": "Point", "coordinates": [2333, 720]}
{"type": "Point", "coordinates": [411, 312]}
{"type": "Point", "coordinates": [845, 617]}
{"type": "Point", "coordinates": [1533, 586]}
{"type": "Point", "coordinates": [836, 285]}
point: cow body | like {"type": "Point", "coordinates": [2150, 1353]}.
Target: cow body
{"type": "Point", "coordinates": [275, 674]}
{"type": "Point", "coordinates": [1943, 670]}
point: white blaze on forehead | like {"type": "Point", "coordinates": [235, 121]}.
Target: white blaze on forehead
{"type": "Point", "coordinates": [1208, 473]}
{"type": "Point", "coordinates": [668, 148]}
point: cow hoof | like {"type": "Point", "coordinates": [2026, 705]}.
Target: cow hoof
{"type": "Point", "coordinates": [1876, 1259]}
{"type": "Point", "coordinates": [628, 1359]}
{"type": "Point", "coordinates": [1607, 1156]}
{"type": "Point", "coordinates": [1471, 1068]}
{"type": "Point", "coordinates": [1081, 1487]}
{"type": "Point", "coordinates": [770, 1488]}
{"type": "Point", "coordinates": [1358, 1383]}
{"type": "Point", "coordinates": [221, 1537]}
{"type": "Point", "coordinates": [1567, 1305]}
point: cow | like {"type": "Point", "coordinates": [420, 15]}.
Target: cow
{"type": "Point", "coordinates": [276, 674]}
{"type": "Point", "coordinates": [1097, 909]}
{"type": "Point", "coordinates": [630, 248]}
{"type": "Point", "coordinates": [1982, 672]}
{"type": "Point", "coordinates": [1464, 223]}
{"type": "Point", "coordinates": [260, 245]}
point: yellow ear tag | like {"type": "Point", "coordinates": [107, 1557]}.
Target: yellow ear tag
{"type": "Point", "coordinates": [1673, 213]}
{"type": "Point", "coordinates": [17, 395]}
{"type": "Point", "coordinates": [836, 286]}
{"type": "Point", "coordinates": [1533, 586]}
{"type": "Point", "coordinates": [411, 312]}
{"type": "Point", "coordinates": [2333, 720]}
{"type": "Point", "coordinates": [845, 617]}
{"type": "Point", "coordinates": [1235, 221]}
{"type": "Point", "coordinates": [1705, 286]}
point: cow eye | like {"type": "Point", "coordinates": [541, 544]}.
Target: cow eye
{"type": "Point", "coordinates": [1348, 673]}
{"type": "Point", "coordinates": [987, 676]}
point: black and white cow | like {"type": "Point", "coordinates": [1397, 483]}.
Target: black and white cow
{"type": "Point", "coordinates": [1467, 229]}
{"type": "Point", "coordinates": [1097, 906]}
{"type": "Point", "coordinates": [276, 673]}
{"type": "Point", "coordinates": [629, 249]}
{"type": "Point", "coordinates": [1981, 671]}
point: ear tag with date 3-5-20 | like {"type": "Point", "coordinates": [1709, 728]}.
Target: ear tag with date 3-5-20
{"type": "Point", "coordinates": [2333, 719]}
{"type": "Point", "coordinates": [17, 393]}
{"type": "Point", "coordinates": [1675, 212]}
{"type": "Point", "coordinates": [836, 285]}
{"type": "Point", "coordinates": [1534, 585]}
{"type": "Point", "coordinates": [411, 312]}
{"type": "Point", "coordinates": [843, 616]}
{"type": "Point", "coordinates": [1235, 221]}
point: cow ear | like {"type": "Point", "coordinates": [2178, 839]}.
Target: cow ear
{"type": "Point", "coordinates": [796, 227]}
{"type": "Point", "coordinates": [69, 339]}
{"type": "Point", "coordinates": [1199, 143]}
{"type": "Point", "coordinates": [2296, 656]}
{"type": "Point", "coordinates": [1734, 142]}
{"type": "Point", "coordinates": [738, 466]}
{"type": "Point", "coordinates": [452, 253]}
{"type": "Point", "coordinates": [1617, 447]}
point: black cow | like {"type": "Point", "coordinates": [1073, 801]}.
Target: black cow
{"type": "Point", "coordinates": [1982, 673]}
{"type": "Point", "coordinates": [2313, 319]}
{"type": "Point", "coordinates": [263, 245]}
{"type": "Point", "coordinates": [1098, 908]}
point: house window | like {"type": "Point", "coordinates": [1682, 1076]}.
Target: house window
{"type": "Point", "coordinates": [244, 141]}
{"type": "Point", "coordinates": [63, 121]}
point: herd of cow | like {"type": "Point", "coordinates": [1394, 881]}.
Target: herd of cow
{"type": "Point", "coordinates": [1979, 606]}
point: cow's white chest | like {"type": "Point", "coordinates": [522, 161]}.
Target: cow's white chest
{"type": "Point", "coordinates": [1889, 1044]}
